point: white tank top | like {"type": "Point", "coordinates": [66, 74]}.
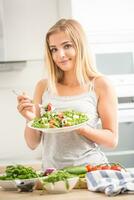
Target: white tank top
{"type": "Point", "coordinates": [69, 148]}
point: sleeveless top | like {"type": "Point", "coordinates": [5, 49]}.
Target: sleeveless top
{"type": "Point", "coordinates": [70, 148]}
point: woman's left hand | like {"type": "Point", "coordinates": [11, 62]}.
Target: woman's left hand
{"type": "Point", "coordinates": [83, 130]}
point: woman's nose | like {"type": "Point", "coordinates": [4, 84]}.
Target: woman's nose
{"type": "Point", "coordinates": [61, 53]}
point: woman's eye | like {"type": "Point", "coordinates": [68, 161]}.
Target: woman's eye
{"type": "Point", "coordinates": [53, 50]}
{"type": "Point", "coordinates": [67, 46]}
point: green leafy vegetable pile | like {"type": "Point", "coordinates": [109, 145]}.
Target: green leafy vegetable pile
{"type": "Point", "coordinates": [53, 119]}
{"type": "Point", "coordinates": [18, 172]}
{"type": "Point", "coordinates": [57, 176]}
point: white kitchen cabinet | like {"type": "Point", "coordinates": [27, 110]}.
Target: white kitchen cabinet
{"type": "Point", "coordinates": [23, 25]}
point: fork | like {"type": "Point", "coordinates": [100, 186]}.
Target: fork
{"type": "Point", "coordinates": [17, 93]}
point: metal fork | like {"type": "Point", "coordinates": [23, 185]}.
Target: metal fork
{"type": "Point", "coordinates": [17, 93]}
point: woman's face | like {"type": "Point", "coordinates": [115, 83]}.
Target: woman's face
{"type": "Point", "coordinates": [62, 51]}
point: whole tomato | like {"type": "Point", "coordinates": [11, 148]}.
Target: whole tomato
{"type": "Point", "coordinates": [89, 168]}
{"type": "Point", "coordinates": [49, 107]}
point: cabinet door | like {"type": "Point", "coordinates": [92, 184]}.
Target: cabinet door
{"type": "Point", "coordinates": [24, 26]}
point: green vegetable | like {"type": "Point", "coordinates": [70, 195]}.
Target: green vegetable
{"type": "Point", "coordinates": [18, 172]}
{"type": "Point", "coordinates": [57, 176]}
{"type": "Point", "coordinates": [53, 119]}
{"type": "Point", "coordinates": [76, 170]}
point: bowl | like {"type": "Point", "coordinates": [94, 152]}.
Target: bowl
{"type": "Point", "coordinates": [8, 184]}
{"type": "Point", "coordinates": [61, 186]}
{"type": "Point", "coordinates": [24, 185]}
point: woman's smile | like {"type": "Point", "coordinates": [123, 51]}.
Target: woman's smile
{"type": "Point", "coordinates": [64, 62]}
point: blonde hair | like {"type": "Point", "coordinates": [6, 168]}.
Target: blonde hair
{"type": "Point", "coordinates": [84, 67]}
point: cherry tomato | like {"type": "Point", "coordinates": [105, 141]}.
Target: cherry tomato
{"type": "Point", "coordinates": [97, 167]}
{"type": "Point", "coordinates": [89, 168]}
{"type": "Point", "coordinates": [49, 107]}
{"type": "Point", "coordinates": [106, 167]}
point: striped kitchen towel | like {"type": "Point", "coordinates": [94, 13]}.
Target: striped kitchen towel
{"type": "Point", "coordinates": [111, 182]}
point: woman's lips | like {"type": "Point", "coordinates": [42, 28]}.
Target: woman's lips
{"type": "Point", "coordinates": [64, 61]}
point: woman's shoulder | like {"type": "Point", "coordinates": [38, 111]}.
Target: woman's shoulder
{"type": "Point", "coordinates": [103, 81]}
{"type": "Point", "coordinates": [40, 88]}
{"type": "Point", "coordinates": [42, 85]}
{"type": "Point", "coordinates": [103, 84]}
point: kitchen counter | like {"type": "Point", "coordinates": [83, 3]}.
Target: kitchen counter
{"type": "Point", "coordinates": [75, 194]}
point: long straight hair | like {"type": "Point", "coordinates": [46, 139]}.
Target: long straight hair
{"type": "Point", "coordinates": [85, 70]}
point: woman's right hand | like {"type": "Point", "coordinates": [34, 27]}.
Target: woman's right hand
{"type": "Point", "coordinates": [26, 107]}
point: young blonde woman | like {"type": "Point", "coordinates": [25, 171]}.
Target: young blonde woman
{"type": "Point", "coordinates": [72, 82]}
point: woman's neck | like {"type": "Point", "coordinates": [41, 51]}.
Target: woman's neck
{"type": "Point", "coordinates": [70, 80]}
{"type": "Point", "coordinates": [70, 83]}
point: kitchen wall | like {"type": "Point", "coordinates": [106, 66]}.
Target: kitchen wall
{"type": "Point", "coordinates": [23, 25]}
{"type": "Point", "coordinates": [110, 30]}
{"type": "Point", "coordinates": [108, 24]}
{"type": "Point", "coordinates": [12, 144]}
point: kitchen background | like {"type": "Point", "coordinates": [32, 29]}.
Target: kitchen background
{"type": "Point", "coordinates": [23, 24]}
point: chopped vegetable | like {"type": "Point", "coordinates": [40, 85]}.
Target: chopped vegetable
{"type": "Point", "coordinates": [57, 176]}
{"type": "Point", "coordinates": [55, 119]}
{"type": "Point", "coordinates": [18, 172]}
{"type": "Point", "coordinates": [49, 107]}
{"type": "Point", "coordinates": [78, 170]}
{"type": "Point", "coordinates": [105, 166]}
{"type": "Point", "coordinates": [48, 171]}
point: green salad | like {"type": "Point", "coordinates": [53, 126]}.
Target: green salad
{"type": "Point", "coordinates": [55, 119]}
{"type": "Point", "coordinates": [18, 172]}
{"type": "Point", "coordinates": [58, 176]}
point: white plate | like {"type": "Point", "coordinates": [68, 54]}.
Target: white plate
{"type": "Point", "coordinates": [57, 130]}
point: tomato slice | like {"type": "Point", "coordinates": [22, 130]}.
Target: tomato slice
{"type": "Point", "coordinates": [116, 167]}
{"type": "Point", "coordinates": [107, 166]}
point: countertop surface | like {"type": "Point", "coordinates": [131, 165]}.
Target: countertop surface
{"type": "Point", "coordinates": [75, 194]}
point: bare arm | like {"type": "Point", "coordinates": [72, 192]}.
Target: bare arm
{"type": "Point", "coordinates": [29, 110]}
{"type": "Point", "coordinates": [107, 109]}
